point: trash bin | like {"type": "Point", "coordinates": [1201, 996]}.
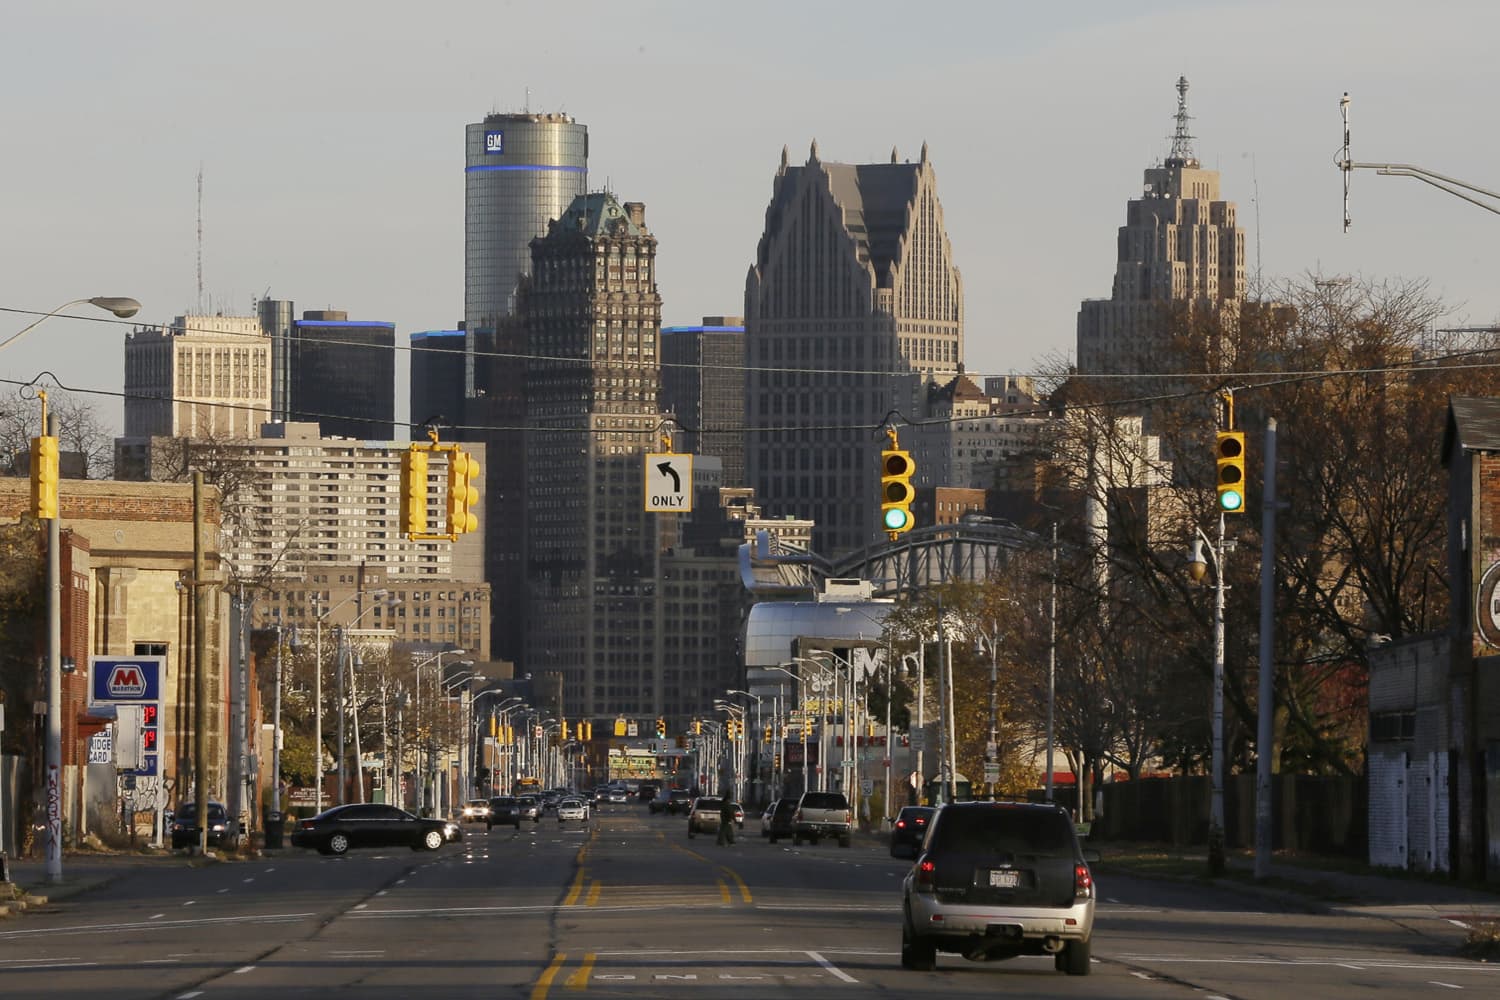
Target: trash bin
{"type": "Point", "coordinates": [275, 824]}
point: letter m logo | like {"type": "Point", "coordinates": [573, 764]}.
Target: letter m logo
{"type": "Point", "coordinates": [126, 681]}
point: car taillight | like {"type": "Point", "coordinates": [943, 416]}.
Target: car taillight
{"type": "Point", "coordinates": [1083, 882]}
{"type": "Point", "coordinates": [925, 872]}
{"type": "Point", "coordinates": [901, 824]}
{"type": "Point", "coordinates": [849, 816]}
{"type": "Point", "coordinates": [306, 824]}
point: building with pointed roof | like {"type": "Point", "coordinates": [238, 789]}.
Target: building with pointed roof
{"type": "Point", "coordinates": [853, 299]}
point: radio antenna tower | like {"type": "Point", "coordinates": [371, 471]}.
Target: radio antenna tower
{"type": "Point", "coordinates": [200, 237]}
{"type": "Point", "coordinates": [1182, 140]}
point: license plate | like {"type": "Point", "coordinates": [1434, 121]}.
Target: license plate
{"type": "Point", "coordinates": [1004, 879]}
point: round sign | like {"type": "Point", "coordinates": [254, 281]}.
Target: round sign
{"type": "Point", "coordinates": [1487, 605]}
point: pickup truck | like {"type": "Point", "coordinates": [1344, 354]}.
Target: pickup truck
{"type": "Point", "coordinates": [822, 814]}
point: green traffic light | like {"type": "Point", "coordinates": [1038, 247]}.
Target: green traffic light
{"type": "Point", "coordinates": [896, 518]}
{"type": "Point", "coordinates": [1231, 500]}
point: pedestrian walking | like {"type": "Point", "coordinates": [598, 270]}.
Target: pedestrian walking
{"type": "Point", "coordinates": [726, 822]}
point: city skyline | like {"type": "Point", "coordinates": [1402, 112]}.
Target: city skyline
{"type": "Point", "coordinates": [1039, 125]}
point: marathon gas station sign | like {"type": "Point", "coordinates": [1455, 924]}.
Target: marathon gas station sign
{"type": "Point", "coordinates": [131, 680]}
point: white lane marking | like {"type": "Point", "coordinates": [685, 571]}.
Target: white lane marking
{"type": "Point", "coordinates": [358, 954]}
{"type": "Point", "coordinates": [190, 902]}
{"type": "Point", "coordinates": [1142, 975]}
{"type": "Point", "coordinates": [160, 961]}
{"type": "Point", "coordinates": [269, 918]}
{"type": "Point", "coordinates": [829, 966]}
{"type": "Point", "coordinates": [244, 969]}
{"type": "Point", "coordinates": [1313, 962]}
{"type": "Point", "coordinates": [1450, 986]}
{"type": "Point", "coordinates": [361, 906]}
{"type": "Point", "coordinates": [270, 870]}
{"type": "Point", "coordinates": [247, 881]}
{"type": "Point", "coordinates": [189, 996]}
{"type": "Point", "coordinates": [1350, 965]}
{"type": "Point", "coordinates": [223, 890]}
{"type": "Point", "coordinates": [382, 892]}
{"type": "Point", "coordinates": [157, 916]}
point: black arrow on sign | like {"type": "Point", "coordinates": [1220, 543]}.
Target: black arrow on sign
{"type": "Point", "coordinates": [666, 469]}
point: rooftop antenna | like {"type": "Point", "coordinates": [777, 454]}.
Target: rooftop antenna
{"type": "Point", "coordinates": [200, 236]}
{"type": "Point", "coordinates": [528, 100]}
{"type": "Point", "coordinates": [1182, 140]}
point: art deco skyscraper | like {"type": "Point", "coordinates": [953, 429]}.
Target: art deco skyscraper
{"type": "Point", "coordinates": [852, 300]}
{"type": "Point", "coordinates": [1180, 244]}
{"type": "Point", "coordinates": [592, 316]}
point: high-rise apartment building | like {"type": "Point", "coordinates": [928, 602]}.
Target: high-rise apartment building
{"type": "Point", "coordinates": [593, 321]}
{"type": "Point", "coordinates": [1180, 245]}
{"type": "Point", "coordinates": [343, 375]}
{"type": "Point", "coordinates": [852, 301]}
{"type": "Point", "coordinates": [703, 387]}
{"type": "Point", "coordinates": [437, 379]}
{"type": "Point", "coordinates": [200, 377]}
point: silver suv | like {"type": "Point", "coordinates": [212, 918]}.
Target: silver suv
{"type": "Point", "coordinates": [995, 880]}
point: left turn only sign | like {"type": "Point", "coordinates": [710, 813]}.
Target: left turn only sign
{"type": "Point", "coordinates": [669, 483]}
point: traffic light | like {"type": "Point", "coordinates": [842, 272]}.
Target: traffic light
{"type": "Point", "coordinates": [776, 762]}
{"type": "Point", "coordinates": [564, 730]}
{"type": "Point", "coordinates": [807, 727]}
{"type": "Point", "coordinates": [661, 729]}
{"type": "Point", "coordinates": [765, 735]}
{"type": "Point", "coordinates": [44, 477]}
{"type": "Point", "coordinates": [1229, 453]}
{"type": "Point", "coordinates": [463, 493]}
{"type": "Point", "coordinates": [697, 727]}
{"type": "Point", "coordinates": [896, 490]}
{"type": "Point", "coordinates": [414, 493]}
{"type": "Point", "coordinates": [585, 731]}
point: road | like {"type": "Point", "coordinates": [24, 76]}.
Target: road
{"type": "Point", "coordinates": [632, 908]}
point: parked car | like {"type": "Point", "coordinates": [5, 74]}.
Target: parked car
{"type": "Point", "coordinates": [505, 810]}
{"type": "Point", "coordinates": [572, 808]}
{"type": "Point", "coordinates": [782, 813]}
{"type": "Point", "coordinates": [369, 824]}
{"type": "Point", "coordinates": [823, 814]}
{"type": "Point", "coordinates": [996, 880]}
{"type": "Point", "coordinates": [185, 826]}
{"type": "Point", "coordinates": [909, 829]}
{"type": "Point", "coordinates": [476, 811]}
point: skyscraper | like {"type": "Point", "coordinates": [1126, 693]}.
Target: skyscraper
{"type": "Point", "coordinates": [853, 298]}
{"type": "Point", "coordinates": [703, 387]}
{"type": "Point", "coordinates": [521, 170]}
{"type": "Point", "coordinates": [201, 377]}
{"type": "Point", "coordinates": [593, 320]}
{"type": "Point", "coordinates": [343, 375]}
{"type": "Point", "coordinates": [1180, 244]}
{"type": "Point", "coordinates": [437, 378]}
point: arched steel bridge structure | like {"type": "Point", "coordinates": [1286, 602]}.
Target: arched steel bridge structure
{"type": "Point", "coordinates": [970, 550]}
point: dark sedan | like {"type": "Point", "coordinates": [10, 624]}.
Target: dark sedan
{"type": "Point", "coordinates": [909, 829]}
{"type": "Point", "coordinates": [505, 810]}
{"type": "Point", "coordinates": [335, 830]}
{"type": "Point", "coordinates": [778, 821]}
{"type": "Point", "coordinates": [185, 826]}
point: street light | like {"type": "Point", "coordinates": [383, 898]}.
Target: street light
{"type": "Point", "coordinates": [122, 307]}
{"type": "Point", "coordinates": [1197, 569]}
{"type": "Point", "coordinates": [54, 630]}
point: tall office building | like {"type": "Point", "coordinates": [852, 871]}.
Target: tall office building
{"type": "Point", "coordinates": [200, 377]}
{"type": "Point", "coordinates": [593, 319]}
{"type": "Point", "coordinates": [703, 387]}
{"type": "Point", "coordinates": [437, 378]}
{"type": "Point", "coordinates": [852, 301]}
{"type": "Point", "coordinates": [1180, 244]}
{"type": "Point", "coordinates": [276, 319]}
{"type": "Point", "coordinates": [521, 170]}
{"type": "Point", "coordinates": [343, 375]}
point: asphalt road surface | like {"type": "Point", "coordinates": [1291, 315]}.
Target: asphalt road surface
{"type": "Point", "coordinates": [632, 908]}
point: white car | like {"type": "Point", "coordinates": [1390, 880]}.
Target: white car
{"type": "Point", "coordinates": [574, 809]}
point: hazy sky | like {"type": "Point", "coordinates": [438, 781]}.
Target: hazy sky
{"type": "Point", "coordinates": [330, 136]}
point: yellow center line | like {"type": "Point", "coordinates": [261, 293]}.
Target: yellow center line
{"type": "Point", "coordinates": [544, 981]}
{"type": "Point", "coordinates": [739, 882]}
{"type": "Point", "coordinates": [594, 890]}
{"type": "Point", "coordinates": [723, 890]}
{"type": "Point", "coordinates": [579, 980]}
{"type": "Point", "coordinates": [692, 854]}
{"type": "Point", "coordinates": [577, 887]}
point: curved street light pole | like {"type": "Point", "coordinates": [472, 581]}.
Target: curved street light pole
{"type": "Point", "coordinates": [121, 307]}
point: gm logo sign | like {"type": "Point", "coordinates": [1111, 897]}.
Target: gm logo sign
{"type": "Point", "coordinates": [115, 679]}
{"type": "Point", "coordinates": [126, 681]}
{"type": "Point", "coordinates": [494, 142]}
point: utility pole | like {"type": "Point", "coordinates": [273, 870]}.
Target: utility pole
{"type": "Point", "coordinates": [200, 670]}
